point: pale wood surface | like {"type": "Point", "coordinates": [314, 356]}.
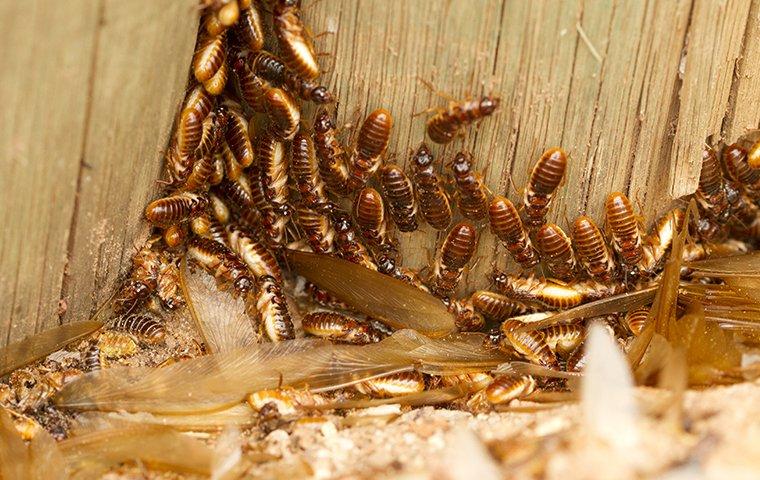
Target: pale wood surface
{"type": "Point", "coordinates": [630, 89]}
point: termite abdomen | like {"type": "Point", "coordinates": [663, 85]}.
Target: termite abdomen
{"type": "Point", "coordinates": [143, 326]}
{"type": "Point", "coordinates": [175, 208]}
{"type": "Point", "coordinates": [544, 179]}
{"type": "Point", "coordinates": [432, 198]}
{"type": "Point", "coordinates": [472, 195]}
{"type": "Point", "coordinates": [592, 249]}
{"type": "Point", "coordinates": [507, 226]}
{"type": "Point", "coordinates": [556, 251]}
{"type": "Point", "coordinates": [444, 125]}
{"type": "Point", "coordinates": [399, 193]}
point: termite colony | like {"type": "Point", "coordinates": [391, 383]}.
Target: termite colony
{"type": "Point", "coordinates": [256, 193]}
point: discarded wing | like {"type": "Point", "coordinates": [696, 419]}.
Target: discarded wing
{"type": "Point", "coordinates": [428, 397]}
{"type": "Point", "coordinates": [392, 301]}
{"type": "Point", "coordinates": [33, 348]}
{"type": "Point", "coordinates": [747, 265]}
{"type": "Point", "coordinates": [220, 381]}
{"type": "Point", "coordinates": [240, 415]}
{"type": "Point", "coordinates": [220, 317]}
{"type": "Point", "coordinates": [39, 460]}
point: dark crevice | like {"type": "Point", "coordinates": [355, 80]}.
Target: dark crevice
{"type": "Point", "coordinates": [728, 116]}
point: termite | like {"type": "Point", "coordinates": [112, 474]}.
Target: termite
{"type": "Point", "coordinates": [273, 165]}
{"type": "Point", "coordinates": [624, 228]}
{"type": "Point", "coordinates": [249, 29]}
{"type": "Point", "coordinates": [531, 344]}
{"type": "Point", "coordinates": [592, 250]}
{"type": "Point", "coordinates": [636, 319]}
{"type": "Point", "coordinates": [228, 13]}
{"type": "Point", "coordinates": [255, 254]}
{"type": "Point", "coordinates": [347, 244]}
{"type": "Point", "coordinates": [472, 194]}
{"type": "Point", "coordinates": [236, 136]}
{"type": "Point", "coordinates": [542, 184]}
{"type": "Point", "coordinates": [735, 160]}
{"type": "Point", "coordinates": [508, 227]}
{"type": "Point", "coordinates": [316, 228]}
{"type": "Point", "coordinates": [91, 358]}
{"type": "Point", "coordinates": [393, 385]}
{"type": "Point", "coordinates": [215, 85]}
{"type": "Point", "coordinates": [447, 123]}
{"type": "Point", "coordinates": [563, 339]}
{"type": "Point", "coordinates": [168, 289]}
{"type": "Point", "coordinates": [556, 251]}
{"type": "Point", "coordinates": [305, 171]}
{"type": "Point", "coordinates": [252, 88]}
{"type": "Point", "coordinates": [370, 145]}
{"type": "Point", "coordinates": [369, 212]}
{"type": "Point", "coordinates": [456, 251]}
{"type": "Point", "coordinates": [198, 104]}
{"type": "Point", "coordinates": [210, 56]}
{"type": "Point", "coordinates": [283, 112]}
{"type": "Point", "coordinates": [657, 243]}
{"type": "Point", "coordinates": [116, 345]}
{"type": "Point", "coordinates": [554, 295]}
{"type": "Point", "coordinates": [221, 262]}
{"type": "Point", "coordinates": [272, 310]}
{"type": "Point", "coordinates": [203, 169]}
{"type": "Point", "coordinates": [274, 70]}
{"type": "Point", "coordinates": [175, 208]}
{"type": "Point", "coordinates": [295, 46]}
{"type": "Point", "coordinates": [143, 326]}
{"type": "Point", "coordinates": [142, 281]}
{"type": "Point", "coordinates": [239, 195]}
{"type": "Point", "coordinates": [399, 195]}
{"type": "Point", "coordinates": [496, 306]}
{"type": "Point", "coordinates": [331, 156]}
{"type": "Point", "coordinates": [466, 317]}
{"type": "Point", "coordinates": [505, 388]}
{"type": "Point", "coordinates": [339, 327]}
{"type": "Point", "coordinates": [175, 235]}
{"type": "Point", "coordinates": [711, 193]}
{"type": "Point", "coordinates": [432, 198]}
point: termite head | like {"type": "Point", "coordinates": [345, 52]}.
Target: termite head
{"type": "Point", "coordinates": [488, 105]}
{"type": "Point", "coordinates": [321, 95]}
{"type": "Point", "coordinates": [461, 164]}
{"type": "Point", "coordinates": [341, 222]}
{"type": "Point", "coordinates": [386, 265]}
{"type": "Point", "coordinates": [423, 158]}
{"type": "Point", "coordinates": [244, 285]}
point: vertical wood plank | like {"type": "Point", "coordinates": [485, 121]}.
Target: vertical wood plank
{"type": "Point", "coordinates": [743, 113]}
{"type": "Point", "coordinates": [140, 74]}
{"type": "Point", "coordinates": [47, 62]}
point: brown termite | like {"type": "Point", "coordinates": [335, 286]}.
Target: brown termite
{"type": "Point", "coordinates": [204, 167]}
{"type": "Point", "coordinates": [236, 137]}
{"type": "Point", "coordinates": [228, 13]}
{"type": "Point", "coordinates": [323, 297]}
{"type": "Point", "coordinates": [505, 388]}
{"type": "Point", "coordinates": [175, 208]}
{"type": "Point", "coordinates": [209, 57]}
{"type": "Point", "coordinates": [508, 227]}
{"type": "Point", "coordinates": [369, 213]}
{"type": "Point", "coordinates": [556, 251]}
{"type": "Point", "coordinates": [457, 250]}
{"type": "Point", "coordinates": [252, 88]}
{"type": "Point", "coordinates": [393, 385]}
{"type": "Point", "coordinates": [249, 29]}
{"type": "Point", "coordinates": [625, 232]}
{"type": "Point", "coordinates": [563, 339]}
{"type": "Point", "coordinates": [116, 345]}
{"type": "Point", "coordinates": [273, 165]}
{"type": "Point", "coordinates": [466, 317]}
{"type": "Point", "coordinates": [577, 359]}
{"type": "Point", "coordinates": [531, 344]}
{"type": "Point", "coordinates": [275, 71]}
{"type": "Point", "coordinates": [557, 296]}
{"type": "Point", "coordinates": [316, 228]}
{"type": "Point", "coordinates": [399, 195]}
{"type": "Point", "coordinates": [273, 221]}
{"type": "Point", "coordinates": [433, 200]}
{"type": "Point", "coordinates": [347, 244]}
{"type": "Point", "coordinates": [254, 253]}
{"type": "Point", "coordinates": [471, 193]}
{"type": "Point", "coordinates": [207, 226]}
{"type": "Point", "coordinates": [272, 310]}
{"type": "Point", "coordinates": [331, 156]}
{"type": "Point", "coordinates": [735, 160]}
{"type": "Point", "coordinates": [175, 235]}
{"type": "Point", "coordinates": [168, 289]}
{"type": "Point", "coordinates": [711, 193]}
{"type": "Point", "coordinates": [221, 262]}
{"type": "Point", "coordinates": [215, 85]}
{"type": "Point", "coordinates": [198, 104]}
{"type": "Point", "coordinates": [305, 171]}
{"type": "Point", "coordinates": [636, 319]}
{"type": "Point", "coordinates": [211, 24]}
{"type": "Point", "coordinates": [339, 327]}
{"type": "Point", "coordinates": [370, 145]}
{"type": "Point", "coordinates": [444, 126]}
{"type": "Point", "coordinates": [91, 358]}
{"type": "Point", "coordinates": [496, 306]}
{"type": "Point", "coordinates": [143, 279]}
{"type": "Point", "coordinates": [544, 179]}
{"type": "Point", "coordinates": [239, 196]}
{"type": "Point", "coordinates": [594, 254]}
{"type": "Point", "coordinates": [144, 326]}
{"type": "Point", "coordinates": [295, 46]}
{"type": "Point", "coordinates": [284, 114]}
{"type": "Point", "coordinates": [658, 242]}
{"type": "Point", "coordinates": [218, 208]}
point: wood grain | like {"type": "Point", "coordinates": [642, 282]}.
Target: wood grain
{"type": "Point", "coordinates": [631, 89]}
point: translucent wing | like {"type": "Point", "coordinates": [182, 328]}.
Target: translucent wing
{"type": "Point", "coordinates": [42, 344]}
{"type": "Point", "coordinates": [220, 317]}
{"type": "Point", "coordinates": [747, 265]}
{"type": "Point", "coordinates": [396, 303]}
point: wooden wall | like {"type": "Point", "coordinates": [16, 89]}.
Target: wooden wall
{"type": "Point", "coordinates": [631, 89]}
